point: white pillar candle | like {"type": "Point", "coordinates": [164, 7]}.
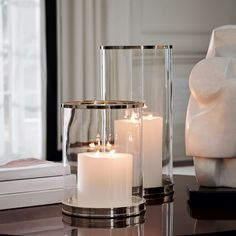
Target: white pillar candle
{"type": "Point", "coordinates": [127, 139]}
{"type": "Point", "coordinates": [152, 151]}
{"type": "Point", "coordinates": [126, 133]}
{"type": "Point", "coordinates": [105, 179]}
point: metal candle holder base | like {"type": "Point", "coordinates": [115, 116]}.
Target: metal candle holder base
{"type": "Point", "coordinates": [160, 194]}
{"type": "Point", "coordinates": [103, 222]}
{"type": "Point", "coordinates": [137, 208]}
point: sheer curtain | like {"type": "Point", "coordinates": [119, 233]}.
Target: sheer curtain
{"type": "Point", "coordinates": [81, 32]}
{"type": "Point", "coordinates": [22, 87]}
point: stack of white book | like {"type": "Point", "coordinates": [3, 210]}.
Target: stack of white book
{"type": "Point", "coordinates": [31, 182]}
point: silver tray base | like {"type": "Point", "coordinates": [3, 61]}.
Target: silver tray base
{"type": "Point", "coordinates": [137, 208]}
{"type": "Point", "coordinates": [160, 194]}
{"type": "Point", "coordinates": [83, 222]}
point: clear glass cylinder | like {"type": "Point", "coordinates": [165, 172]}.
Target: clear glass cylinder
{"type": "Point", "coordinates": [143, 73]}
{"type": "Point", "coordinates": [106, 160]}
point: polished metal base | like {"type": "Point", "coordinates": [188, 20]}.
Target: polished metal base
{"type": "Point", "coordinates": [160, 194]}
{"type": "Point", "coordinates": [154, 200]}
{"type": "Point", "coordinates": [138, 208]}
{"type": "Point", "coordinates": [103, 222]}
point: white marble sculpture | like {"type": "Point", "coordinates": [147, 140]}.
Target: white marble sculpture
{"type": "Point", "coordinates": [210, 132]}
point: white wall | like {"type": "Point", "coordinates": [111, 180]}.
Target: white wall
{"type": "Point", "coordinates": [186, 24]}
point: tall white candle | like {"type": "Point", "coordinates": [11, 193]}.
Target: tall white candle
{"type": "Point", "coordinates": [127, 137]}
{"type": "Point", "coordinates": [126, 133]}
{"type": "Point", "coordinates": [152, 151]}
{"type": "Point", "coordinates": [104, 179]}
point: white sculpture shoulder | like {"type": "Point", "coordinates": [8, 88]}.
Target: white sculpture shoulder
{"type": "Point", "coordinates": [223, 42]}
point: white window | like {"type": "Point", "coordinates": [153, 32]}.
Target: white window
{"type": "Point", "coordinates": [21, 83]}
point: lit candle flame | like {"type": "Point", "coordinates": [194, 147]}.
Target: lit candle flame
{"type": "Point", "coordinates": [96, 146]}
{"type": "Point", "coordinates": [108, 144]}
{"type": "Point", "coordinates": [92, 145]}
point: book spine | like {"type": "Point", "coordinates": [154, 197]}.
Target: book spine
{"type": "Point", "coordinates": [36, 184]}
{"type": "Point", "coordinates": [34, 172]}
{"type": "Point", "coordinates": [10, 201]}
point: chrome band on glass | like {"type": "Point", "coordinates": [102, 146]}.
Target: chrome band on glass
{"type": "Point", "coordinates": [101, 104]}
{"type": "Point", "coordinates": [136, 47]}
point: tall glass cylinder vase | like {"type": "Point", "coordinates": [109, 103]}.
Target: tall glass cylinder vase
{"type": "Point", "coordinates": [105, 159]}
{"type": "Point", "coordinates": [143, 73]}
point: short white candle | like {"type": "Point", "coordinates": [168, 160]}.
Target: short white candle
{"type": "Point", "coordinates": [105, 179]}
{"type": "Point", "coordinates": [126, 133]}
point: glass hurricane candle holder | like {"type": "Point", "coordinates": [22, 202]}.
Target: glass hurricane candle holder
{"type": "Point", "coordinates": [106, 162]}
{"type": "Point", "coordinates": [143, 73]}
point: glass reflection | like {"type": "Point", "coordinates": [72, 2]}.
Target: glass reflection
{"type": "Point", "coordinates": [207, 226]}
{"type": "Point", "coordinates": [134, 230]}
{"type": "Point", "coordinates": [159, 220]}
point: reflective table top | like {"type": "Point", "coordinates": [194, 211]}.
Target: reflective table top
{"type": "Point", "coordinates": [173, 218]}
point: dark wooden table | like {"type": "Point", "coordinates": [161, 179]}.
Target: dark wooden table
{"type": "Point", "coordinates": [174, 218]}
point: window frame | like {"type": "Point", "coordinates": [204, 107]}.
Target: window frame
{"type": "Point", "coordinates": [52, 152]}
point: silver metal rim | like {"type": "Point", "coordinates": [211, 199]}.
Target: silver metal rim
{"type": "Point", "coordinates": [154, 200]}
{"type": "Point", "coordinates": [159, 192]}
{"type": "Point", "coordinates": [137, 47]}
{"type": "Point", "coordinates": [103, 223]}
{"type": "Point", "coordinates": [137, 208]}
{"type": "Point", "coordinates": [102, 104]}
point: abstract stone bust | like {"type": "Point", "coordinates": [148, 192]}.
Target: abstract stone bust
{"type": "Point", "coordinates": [210, 132]}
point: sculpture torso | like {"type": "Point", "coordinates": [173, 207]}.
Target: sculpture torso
{"type": "Point", "coordinates": [211, 116]}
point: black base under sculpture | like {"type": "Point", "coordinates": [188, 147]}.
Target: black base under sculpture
{"type": "Point", "coordinates": [212, 203]}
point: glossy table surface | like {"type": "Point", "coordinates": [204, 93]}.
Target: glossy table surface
{"type": "Point", "coordinates": [174, 218]}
